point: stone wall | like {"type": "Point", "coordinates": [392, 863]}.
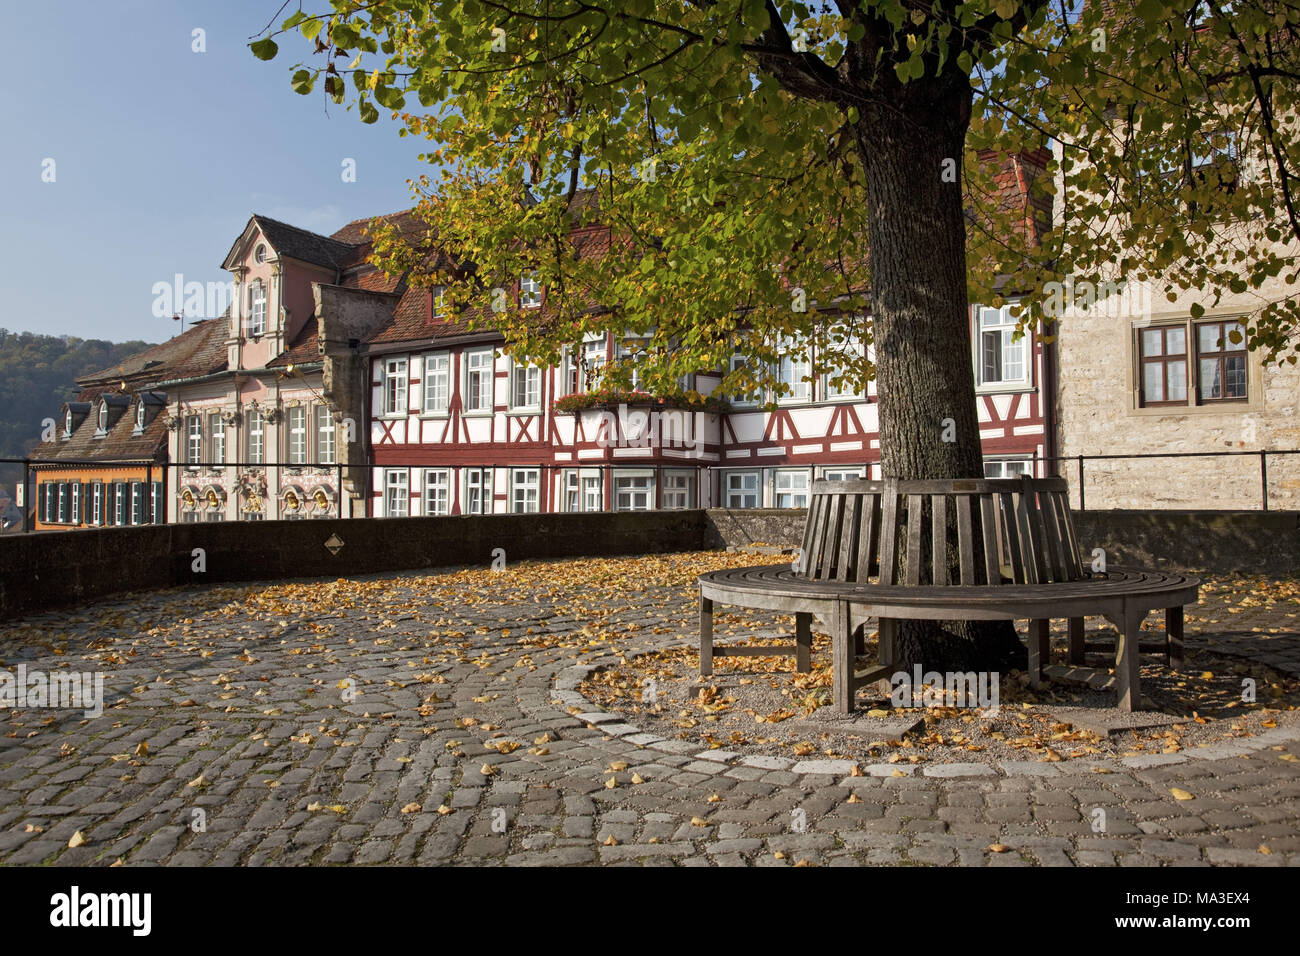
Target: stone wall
{"type": "Point", "coordinates": [56, 569]}
{"type": "Point", "coordinates": [1098, 411]}
{"type": "Point", "coordinates": [1219, 542]}
{"type": "Point", "coordinates": [50, 570]}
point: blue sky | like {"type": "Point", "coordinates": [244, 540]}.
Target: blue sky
{"type": "Point", "coordinates": [160, 156]}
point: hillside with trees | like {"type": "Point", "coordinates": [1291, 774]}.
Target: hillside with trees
{"type": "Point", "coordinates": [38, 373]}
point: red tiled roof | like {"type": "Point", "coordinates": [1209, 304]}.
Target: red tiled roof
{"type": "Point", "coordinates": [119, 444]}
{"type": "Point", "coordinates": [304, 348]}
{"type": "Point", "coordinates": [199, 350]}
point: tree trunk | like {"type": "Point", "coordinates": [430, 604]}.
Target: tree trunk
{"type": "Point", "coordinates": [911, 140]}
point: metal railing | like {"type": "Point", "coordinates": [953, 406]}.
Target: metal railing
{"type": "Point", "coordinates": [703, 472]}
{"type": "Point", "coordinates": [1078, 461]}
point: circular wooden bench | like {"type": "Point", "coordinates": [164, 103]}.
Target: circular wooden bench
{"type": "Point", "coordinates": [945, 550]}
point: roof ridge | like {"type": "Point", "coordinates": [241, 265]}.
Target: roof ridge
{"type": "Point", "coordinates": [306, 232]}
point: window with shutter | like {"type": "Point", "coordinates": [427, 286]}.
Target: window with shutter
{"type": "Point", "coordinates": [137, 502]}
{"type": "Point", "coordinates": [156, 513]}
{"type": "Point", "coordinates": [76, 502]}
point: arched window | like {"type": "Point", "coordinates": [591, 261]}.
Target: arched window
{"type": "Point", "coordinates": [260, 253]}
{"type": "Point", "coordinates": [103, 416]}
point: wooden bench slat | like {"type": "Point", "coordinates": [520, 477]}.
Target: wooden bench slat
{"type": "Point", "coordinates": [810, 523]}
{"type": "Point", "coordinates": [915, 516]}
{"type": "Point", "coordinates": [830, 537]}
{"type": "Point", "coordinates": [889, 532]}
{"type": "Point", "coordinates": [869, 540]}
{"type": "Point", "coordinates": [848, 563]}
{"type": "Point", "coordinates": [1071, 539]}
{"type": "Point", "coordinates": [965, 540]}
{"type": "Point", "coordinates": [1030, 547]}
{"type": "Point", "coordinates": [939, 539]}
{"type": "Point", "coordinates": [990, 537]}
{"type": "Point", "coordinates": [1012, 536]}
{"type": "Point", "coordinates": [1052, 536]}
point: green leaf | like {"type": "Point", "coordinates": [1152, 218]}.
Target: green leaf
{"type": "Point", "coordinates": [311, 28]}
{"type": "Point", "coordinates": [368, 112]}
{"type": "Point", "coordinates": [1198, 310]}
{"type": "Point", "coordinates": [302, 82]}
{"type": "Point", "coordinates": [264, 49]}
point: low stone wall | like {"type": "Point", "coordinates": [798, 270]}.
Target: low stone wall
{"type": "Point", "coordinates": [55, 569]}
{"type": "Point", "coordinates": [1266, 542]}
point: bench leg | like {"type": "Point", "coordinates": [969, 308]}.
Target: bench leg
{"type": "Point", "coordinates": [1128, 662]}
{"type": "Point", "coordinates": [887, 649]}
{"type": "Point", "coordinates": [803, 642]}
{"type": "Point", "coordinates": [1039, 648]}
{"type": "Point", "coordinates": [706, 637]}
{"type": "Point", "coordinates": [1077, 655]}
{"type": "Point", "coordinates": [1174, 636]}
{"type": "Point", "coordinates": [860, 640]}
{"type": "Point", "coordinates": [842, 659]}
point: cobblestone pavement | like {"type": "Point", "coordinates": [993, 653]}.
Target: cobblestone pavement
{"type": "Point", "coordinates": [424, 719]}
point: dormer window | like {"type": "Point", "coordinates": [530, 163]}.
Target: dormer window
{"type": "Point", "coordinates": [103, 419]}
{"type": "Point", "coordinates": [139, 417]}
{"type": "Point", "coordinates": [438, 301]}
{"type": "Point", "coordinates": [530, 291]}
{"type": "Point", "coordinates": [67, 424]}
{"type": "Point", "coordinates": [259, 255]}
{"type": "Point", "coordinates": [257, 309]}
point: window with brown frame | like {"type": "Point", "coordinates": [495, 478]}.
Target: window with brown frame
{"type": "Point", "coordinates": [1213, 370]}
{"type": "Point", "coordinates": [1163, 365]}
{"type": "Point", "coordinates": [1222, 362]}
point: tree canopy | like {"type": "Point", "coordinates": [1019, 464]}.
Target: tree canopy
{"type": "Point", "coordinates": [723, 139]}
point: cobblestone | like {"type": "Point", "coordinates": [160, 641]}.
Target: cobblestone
{"type": "Point", "coordinates": [460, 748]}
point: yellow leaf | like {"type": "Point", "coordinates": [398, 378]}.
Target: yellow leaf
{"type": "Point", "coordinates": [197, 781]}
{"type": "Point", "coordinates": [636, 778]}
{"type": "Point", "coordinates": [337, 808]}
{"type": "Point", "coordinates": [618, 765]}
{"type": "Point", "coordinates": [142, 750]}
{"type": "Point", "coordinates": [699, 822]}
{"type": "Point", "coordinates": [1286, 757]}
{"type": "Point", "coordinates": [854, 798]}
{"type": "Point", "coordinates": [611, 783]}
{"type": "Point", "coordinates": [714, 798]}
{"type": "Point", "coordinates": [877, 713]}
{"type": "Point", "coordinates": [1180, 794]}
{"type": "Point", "coordinates": [999, 847]}
{"type": "Point", "coordinates": [610, 841]}
{"type": "Point", "coordinates": [313, 807]}
{"type": "Point", "coordinates": [487, 770]}
{"type": "Point", "coordinates": [444, 810]}
{"type": "Point", "coordinates": [78, 839]}
{"type": "Point", "coordinates": [411, 808]}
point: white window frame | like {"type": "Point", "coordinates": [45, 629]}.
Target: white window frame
{"type": "Point", "coordinates": [97, 503]}
{"type": "Point", "coordinates": [256, 308]}
{"type": "Point", "coordinates": [525, 491]}
{"type": "Point", "coordinates": [791, 490]}
{"type": "Point", "coordinates": [595, 355]}
{"type": "Point", "coordinates": [480, 480]}
{"type": "Point", "coordinates": [437, 491]}
{"type": "Point", "coordinates": [582, 490]}
{"type": "Point", "coordinates": [193, 439]}
{"type": "Point", "coordinates": [829, 392]}
{"type": "Point", "coordinates": [397, 492]}
{"type": "Point", "coordinates": [217, 439]}
{"type": "Point", "coordinates": [679, 490]}
{"type": "Point", "coordinates": [139, 416]}
{"type": "Point", "coordinates": [730, 491]}
{"type": "Point", "coordinates": [566, 375]}
{"type": "Point", "coordinates": [736, 361]}
{"type": "Point", "coordinates": [530, 291]}
{"type": "Point", "coordinates": [437, 383]}
{"type": "Point", "coordinates": [480, 381]}
{"type": "Point", "coordinates": [438, 301]}
{"type": "Point", "coordinates": [76, 502]}
{"type": "Point", "coordinates": [842, 473]}
{"type": "Point", "coordinates": [101, 423]}
{"type": "Point", "coordinates": [296, 422]}
{"type": "Point", "coordinates": [1001, 469]}
{"type": "Point", "coordinates": [630, 486]}
{"type": "Point", "coordinates": [325, 444]}
{"type": "Point", "coordinates": [640, 345]}
{"type": "Point", "coordinates": [797, 373]}
{"type": "Point", "coordinates": [255, 439]}
{"type": "Point", "coordinates": [530, 378]}
{"type": "Point", "coordinates": [999, 326]}
{"type": "Point", "coordinates": [396, 383]}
